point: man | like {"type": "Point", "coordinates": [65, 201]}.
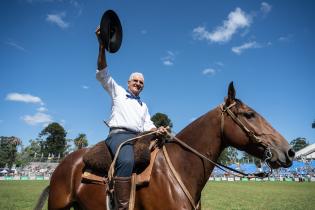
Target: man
{"type": "Point", "coordinates": [129, 116]}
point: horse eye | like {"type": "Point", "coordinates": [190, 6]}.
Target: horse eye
{"type": "Point", "coordinates": [249, 115]}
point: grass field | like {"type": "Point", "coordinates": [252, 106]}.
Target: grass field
{"type": "Point", "coordinates": [22, 195]}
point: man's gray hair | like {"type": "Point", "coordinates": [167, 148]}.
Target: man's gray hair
{"type": "Point", "coordinates": [134, 74]}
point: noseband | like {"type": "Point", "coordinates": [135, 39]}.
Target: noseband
{"type": "Point", "coordinates": [251, 134]}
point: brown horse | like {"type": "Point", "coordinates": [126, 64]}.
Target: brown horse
{"type": "Point", "coordinates": [230, 124]}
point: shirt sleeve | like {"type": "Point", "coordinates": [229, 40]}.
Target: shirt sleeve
{"type": "Point", "coordinates": [148, 124]}
{"type": "Point", "coordinates": [108, 83]}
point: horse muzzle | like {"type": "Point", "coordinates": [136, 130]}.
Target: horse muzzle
{"type": "Point", "coordinates": [279, 159]}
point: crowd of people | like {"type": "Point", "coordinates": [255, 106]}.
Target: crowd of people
{"type": "Point", "coordinates": [299, 171]}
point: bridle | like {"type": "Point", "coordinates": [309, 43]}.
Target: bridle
{"type": "Point", "coordinates": [251, 135]}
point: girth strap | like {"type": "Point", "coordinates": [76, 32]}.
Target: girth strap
{"type": "Point", "coordinates": [180, 182]}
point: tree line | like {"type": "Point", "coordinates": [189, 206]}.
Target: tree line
{"type": "Point", "coordinates": [52, 143]}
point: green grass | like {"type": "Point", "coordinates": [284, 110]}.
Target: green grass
{"type": "Point", "coordinates": [22, 195]}
{"type": "Point", "coordinates": [259, 195]}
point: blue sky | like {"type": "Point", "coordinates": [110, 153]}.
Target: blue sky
{"type": "Point", "coordinates": [188, 52]}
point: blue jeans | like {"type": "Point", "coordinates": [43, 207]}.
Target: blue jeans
{"type": "Point", "coordinates": [125, 160]}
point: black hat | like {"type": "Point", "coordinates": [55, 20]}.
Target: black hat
{"type": "Point", "coordinates": [111, 31]}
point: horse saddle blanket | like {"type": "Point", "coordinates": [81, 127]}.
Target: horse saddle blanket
{"type": "Point", "coordinates": [97, 160]}
{"type": "Point", "coordinates": [142, 179]}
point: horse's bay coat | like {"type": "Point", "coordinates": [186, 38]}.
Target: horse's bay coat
{"type": "Point", "coordinates": [163, 191]}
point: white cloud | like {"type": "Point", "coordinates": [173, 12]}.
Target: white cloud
{"type": "Point", "coordinates": [63, 122]}
{"type": "Point", "coordinates": [169, 59]}
{"type": "Point", "coordinates": [168, 63]}
{"type": "Point", "coordinates": [27, 98]}
{"type": "Point", "coordinates": [265, 8]}
{"type": "Point", "coordinates": [15, 45]}
{"type": "Point", "coordinates": [78, 6]}
{"type": "Point", "coordinates": [73, 3]}
{"type": "Point", "coordinates": [236, 19]}
{"type": "Point", "coordinates": [239, 49]}
{"type": "Point", "coordinates": [42, 109]}
{"type": "Point", "coordinates": [85, 87]}
{"type": "Point", "coordinates": [219, 63]}
{"type": "Point", "coordinates": [286, 38]}
{"type": "Point", "coordinates": [209, 71]}
{"type": "Point", "coordinates": [38, 118]}
{"type": "Point", "coordinates": [58, 19]}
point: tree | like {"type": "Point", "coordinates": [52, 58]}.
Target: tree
{"type": "Point", "coordinates": [55, 143]}
{"type": "Point", "coordinates": [299, 143]}
{"type": "Point", "coordinates": [160, 119]}
{"type": "Point", "coordinates": [33, 152]}
{"type": "Point", "coordinates": [313, 124]}
{"type": "Point", "coordinates": [8, 151]}
{"type": "Point", "coordinates": [247, 158]}
{"type": "Point", "coordinates": [81, 141]}
{"type": "Point", "coordinates": [228, 155]}
{"type": "Point", "coordinates": [223, 158]}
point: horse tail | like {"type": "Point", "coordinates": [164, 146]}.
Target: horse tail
{"type": "Point", "coordinates": [42, 199]}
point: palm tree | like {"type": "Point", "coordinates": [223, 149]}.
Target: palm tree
{"type": "Point", "coordinates": [15, 141]}
{"type": "Point", "coordinates": [81, 141]}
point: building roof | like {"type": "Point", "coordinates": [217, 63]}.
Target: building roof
{"type": "Point", "coordinates": [307, 152]}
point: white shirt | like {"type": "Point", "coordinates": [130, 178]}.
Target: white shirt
{"type": "Point", "coordinates": [126, 112]}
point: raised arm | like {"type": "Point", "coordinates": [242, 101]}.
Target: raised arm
{"type": "Point", "coordinates": [101, 60]}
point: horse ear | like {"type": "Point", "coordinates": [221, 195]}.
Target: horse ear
{"type": "Point", "coordinates": [231, 94]}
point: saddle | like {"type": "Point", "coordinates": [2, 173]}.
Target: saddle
{"type": "Point", "coordinates": [98, 159]}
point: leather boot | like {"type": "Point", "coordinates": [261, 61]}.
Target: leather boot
{"type": "Point", "coordinates": [122, 187]}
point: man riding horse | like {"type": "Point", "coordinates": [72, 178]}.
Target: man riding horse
{"type": "Point", "coordinates": [183, 166]}
{"type": "Point", "coordinates": [129, 117]}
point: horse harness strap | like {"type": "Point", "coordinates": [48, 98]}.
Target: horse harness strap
{"type": "Point", "coordinates": [179, 180]}
{"type": "Point", "coordinates": [219, 165]}
{"type": "Point", "coordinates": [250, 133]}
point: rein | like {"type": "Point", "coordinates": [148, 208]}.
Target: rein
{"type": "Point", "coordinates": [249, 133]}
{"type": "Point", "coordinates": [227, 169]}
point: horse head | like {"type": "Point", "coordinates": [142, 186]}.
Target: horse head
{"type": "Point", "coordinates": [243, 128]}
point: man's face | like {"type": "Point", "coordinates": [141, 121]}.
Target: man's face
{"type": "Point", "coordinates": [136, 85]}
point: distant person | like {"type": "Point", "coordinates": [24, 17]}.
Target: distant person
{"type": "Point", "coordinates": [129, 117]}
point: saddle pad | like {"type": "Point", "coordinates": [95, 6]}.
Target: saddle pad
{"type": "Point", "coordinates": [141, 179]}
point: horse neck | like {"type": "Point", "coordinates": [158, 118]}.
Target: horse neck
{"type": "Point", "coordinates": [204, 136]}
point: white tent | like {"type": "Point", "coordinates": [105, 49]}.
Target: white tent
{"type": "Point", "coordinates": [3, 171]}
{"type": "Point", "coordinates": [307, 152]}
